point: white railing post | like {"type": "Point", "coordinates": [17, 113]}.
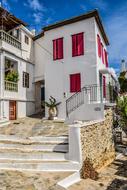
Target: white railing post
{"type": "Point", "coordinates": [10, 39]}
{"type": "Point", "coordinates": [11, 86]}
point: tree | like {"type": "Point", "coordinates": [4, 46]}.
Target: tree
{"type": "Point", "coordinates": [123, 82]}
{"type": "Point", "coordinates": [122, 111]}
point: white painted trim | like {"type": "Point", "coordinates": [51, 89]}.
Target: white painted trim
{"type": "Point", "coordinates": [75, 153]}
{"type": "Point", "coordinates": [70, 180]}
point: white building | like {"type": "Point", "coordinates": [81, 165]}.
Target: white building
{"type": "Point", "coordinates": [71, 62]}
{"type": "Point", "coordinates": [16, 57]}
{"type": "Point", "coordinates": [68, 61]}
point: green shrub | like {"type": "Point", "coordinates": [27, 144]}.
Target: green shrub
{"type": "Point", "coordinates": [12, 76]}
{"type": "Point", "coordinates": [122, 110]}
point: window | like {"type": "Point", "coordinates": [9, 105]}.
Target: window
{"type": "Point", "coordinates": [77, 44]}
{"type": "Point", "coordinates": [25, 80]}
{"type": "Point", "coordinates": [99, 45]}
{"type": "Point", "coordinates": [104, 86]}
{"type": "Point", "coordinates": [58, 49]}
{"type": "Point", "coordinates": [102, 52]}
{"type": "Point", "coordinates": [26, 39]}
{"type": "Point", "coordinates": [75, 82]}
{"type": "Point", "coordinates": [106, 58]}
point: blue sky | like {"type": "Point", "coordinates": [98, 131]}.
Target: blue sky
{"type": "Point", "coordinates": [39, 13]}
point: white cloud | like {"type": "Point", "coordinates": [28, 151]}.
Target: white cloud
{"type": "Point", "coordinates": [37, 17]}
{"type": "Point", "coordinates": [5, 4]}
{"type": "Point", "coordinates": [117, 31]}
{"type": "Point", "coordinates": [94, 4]}
{"type": "Point", "coordinates": [35, 5]}
{"type": "Point", "coordinates": [101, 4]}
{"type": "Point", "coordinates": [83, 7]}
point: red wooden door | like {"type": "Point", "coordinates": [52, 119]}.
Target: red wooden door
{"type": "Point", "coordinates": [12, 110]}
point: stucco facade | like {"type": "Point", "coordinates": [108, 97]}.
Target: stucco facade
{"type": "Point", "coordinates": [56, 73]}
{"type": "Point", "coordinates": [23, 62]}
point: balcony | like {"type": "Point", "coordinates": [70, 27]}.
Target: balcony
{"type": "Point", "coordinates": [10, 39]}
{"type": "Point", "coordinates": [11, 86]}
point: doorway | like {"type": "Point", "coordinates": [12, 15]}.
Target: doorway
{"type": "Point", "coordinates": [12, 110]}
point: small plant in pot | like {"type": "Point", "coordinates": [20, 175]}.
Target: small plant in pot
{"type": "Point", "coordinates": [52, 105]}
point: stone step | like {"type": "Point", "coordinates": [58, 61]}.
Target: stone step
{"type": "Point", "coordinates": [35, 148]}
{"type": "Point", "coordinates": [46, 166]}
{"type": "Point", "coordinates": [33, 140]}
{"type": "Point", "coordinates": [4, 122]}
{"type": "Point", "coordinates": [27, 157]}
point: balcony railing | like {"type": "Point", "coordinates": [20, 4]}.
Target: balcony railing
{"type": "Point", "coordinates": [10, 39]}
{"type": "Point", "coordinates": [11, 86]}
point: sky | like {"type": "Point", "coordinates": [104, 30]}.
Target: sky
{"type": "Point", "coordinates": [40, 13]}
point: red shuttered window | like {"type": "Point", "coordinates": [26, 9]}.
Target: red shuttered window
{"type": "Point", "coordinates": [75, 82]}
{"type": "Point", "coordinates": [104, 86]}
{"type": "Point", "coordinates": [102, 52]}
{"type": "Point", "coordinates": [58, 49]}
{"type": "Point", "coordinates": [99, 45]}
{"type": "Point", "coordinates": [78, 44]}
{"type": "Point", "coordinates": [106, 58]}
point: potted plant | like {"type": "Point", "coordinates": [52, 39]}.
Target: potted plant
{"type": "Point", "coordinates": [52, 107]}
{"type": "Point", "coordinates": [12, 76]}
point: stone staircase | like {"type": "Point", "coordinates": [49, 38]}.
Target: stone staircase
{"type": "Point", "coordinates": [35, 154]}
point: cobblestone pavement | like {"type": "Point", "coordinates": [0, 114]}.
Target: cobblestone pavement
{"type": "Point", "coordinates": [26, 127]}
{"type": "Point", "coordinates": [114, 177]}
{"type": "Point", "coordinates": [14, 180]}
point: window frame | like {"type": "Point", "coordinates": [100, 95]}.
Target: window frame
{"type": "Point", "coordinates": [26, 79]}
{"type": "Point", "coordinates": [75, 52]}
{"type": "Point", "coordinates": [56, 53]}
{"type": "Point", "coordinates": [26, 39]}
{"type": "Point", "coordinates": [73, 81]}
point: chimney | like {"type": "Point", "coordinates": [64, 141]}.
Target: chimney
{"type": "Point", "coordinates": [123, 65]}
{"type": "Point", "coordinates": [33, 32]}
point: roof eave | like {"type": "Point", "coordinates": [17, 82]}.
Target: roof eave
{"type": "Point", "coordinates": [90, 14]}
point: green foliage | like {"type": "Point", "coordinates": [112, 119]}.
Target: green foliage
{"type": "Point", "coordinates": [122, 110]}
{"type": "Point", "coordinates": [123, 82]}
{"type": "Point", "coordinates": [52, 103]}
{"type": "Point", "coordinates": [12, 76]}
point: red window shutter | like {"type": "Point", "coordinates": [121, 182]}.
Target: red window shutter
{"type": "Point", "coordinates": [102, 52]}
{"type": "Point", "coordinates": [78, 82]}
{"type": "Point", "coordinates": [80, 44]}
{"type": "Point", "coordinates": [99, 45]}
{"type": "Point", "coordinates": [104, 86]}
{"type": "Point", "coordinates": [74, 46]}
{"type": "Point", "coordinates": [75, 83]}
{"type": "Point", "coordinates": [54, 49]}
{"type": "Point", "coordinates": [106, 58]}
{"type": "Point", "coordinates": [60, 48]}
{"type": "Point", "coordinates": [72, 83]}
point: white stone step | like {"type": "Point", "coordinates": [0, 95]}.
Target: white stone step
{"type": "Point", "coordinates": [35, 148]}
{"type": "Point", "coordinates": [33, 140]}
{"type": "Point", "coordinates": [4, 122]}
{"type": "Point", "coordinates": [28, 157]}
{"type": "Point", "coordinates": [46, 166]}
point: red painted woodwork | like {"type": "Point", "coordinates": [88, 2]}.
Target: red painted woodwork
{"type": "Point", "coordinates": [78, 44]}
{"type": "Point", "coordinates": [75, 82]}
{"type": "Point", "coordinates": [12, 110]}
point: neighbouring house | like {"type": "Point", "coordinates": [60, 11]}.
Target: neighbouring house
{"type": "Point", "coordinates": [16, 68]}
{"type": "Point", "coordinates": [67, 60]}
{"type": "Point", "coordinates": [71, 64]}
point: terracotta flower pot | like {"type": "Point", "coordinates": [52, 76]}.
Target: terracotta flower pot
{"type": "Point", "coordinates": [52, 113]}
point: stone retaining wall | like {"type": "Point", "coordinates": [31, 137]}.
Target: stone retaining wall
{"type": "Point", "coordinates": [97, 144]}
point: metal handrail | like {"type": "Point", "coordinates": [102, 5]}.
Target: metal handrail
{"type": "Point", "coordinates": [94, 93]}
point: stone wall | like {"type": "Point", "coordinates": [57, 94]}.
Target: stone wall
{"type": "Point", "coordinates": [97, 144]}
